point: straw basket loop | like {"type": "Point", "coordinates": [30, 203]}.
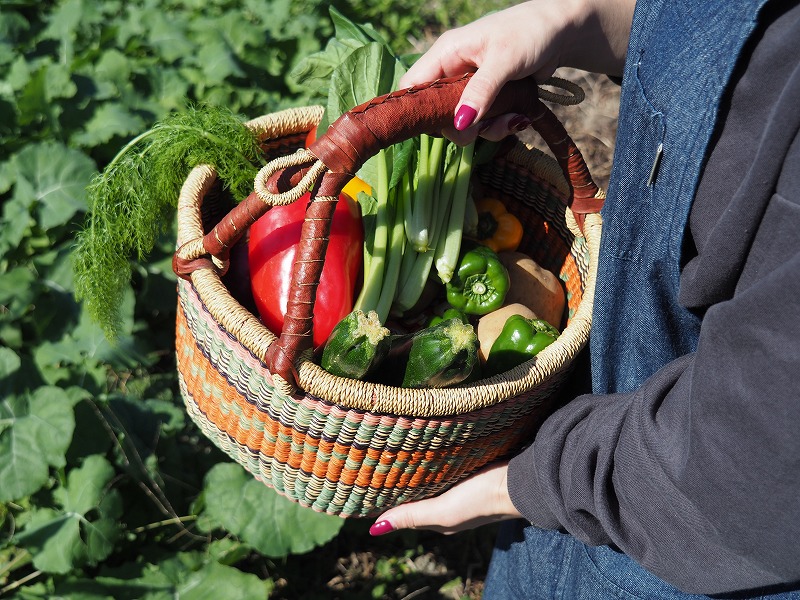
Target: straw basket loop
{"type": "Point", "coordinates": [351, 447]}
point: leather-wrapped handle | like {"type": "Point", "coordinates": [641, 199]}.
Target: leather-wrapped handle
{"type": "Point", "coordinates": [350, 141]}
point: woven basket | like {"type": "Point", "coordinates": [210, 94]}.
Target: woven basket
{"type": "Point", "coordinates": [353, 448]}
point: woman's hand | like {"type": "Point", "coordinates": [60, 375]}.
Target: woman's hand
{"type": "Point", "coordinates": [531, 39]}
{"type": "Point", "coordinates": [480, 499]}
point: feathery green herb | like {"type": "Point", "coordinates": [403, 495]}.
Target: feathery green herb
{"type": "Point", "coordinates": [132, 201]}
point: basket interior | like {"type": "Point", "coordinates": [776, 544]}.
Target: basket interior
{"type": "Point", "coordinates": [532, 188]}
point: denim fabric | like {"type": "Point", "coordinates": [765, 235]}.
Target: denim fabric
{"type": "Point", "coordinates": [537, 564]}
{"type": "Point", "coordinates": [681, 55]}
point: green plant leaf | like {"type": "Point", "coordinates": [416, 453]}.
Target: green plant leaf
{"type": "Point", "coordinates": [345, 28]}
{"type": "Point", "coordinates": [83, 528]}
{"type": "Point", "coordinates": [17, 292]}
{"type": "Point", "coordinates": [35, 433]}
{"type": "Point", "coordinates": [47, 82]}
{"type": "Point", "coordinates": [86, 349]}
{"type": "Point", "coordinates": [53, 177]}
{"type": "Point", "coordinates": [186, 576]}
{"type": "Point", "coordinates": [259, 516]}
{"type": "Point", "coordinates": [314, 72]}
{"type": "Point", "coordinates": [110, 120]}
{"type": "Point", "coordinates": [63, 23]}
{"type": "Point", "coordinates": [218, 62]}
{"type": "Point", "coordinates": [9, 375]}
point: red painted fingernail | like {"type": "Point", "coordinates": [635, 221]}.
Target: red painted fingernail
{"type": "Point", "coordinates": [380, 528]}
{"type": "Point", "coordinates": [519, 123]}
{"type": "Point", "coordinates": [464, 117]}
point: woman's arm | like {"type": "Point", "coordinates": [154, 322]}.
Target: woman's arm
{"type": "Point", "coordinates": [531, 39]}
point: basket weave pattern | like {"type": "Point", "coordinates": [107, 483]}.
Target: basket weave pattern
{"type": "Point", "coordinates": [354, 448]}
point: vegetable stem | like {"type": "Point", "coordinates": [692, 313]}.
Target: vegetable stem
{"type": "Point", "coordinates": [447, 251]}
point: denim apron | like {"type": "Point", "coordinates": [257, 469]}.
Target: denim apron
{"type": "Point", "coordinates": [680, 57]}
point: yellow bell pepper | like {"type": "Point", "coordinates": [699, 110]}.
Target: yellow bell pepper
{"type": "Point", "coordinates": [356, 185]}
{"type": "Point", "coordinates": [497, 228]}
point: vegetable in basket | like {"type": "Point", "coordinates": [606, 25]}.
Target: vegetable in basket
{"type": "Point", "coordinates": [357, 345]}
{"type": "Point", "coordinates": [450, 313]}
{"type": "Point", "coordinates": [520, 340]}
{"type": "Point", "coordinates": [438, 356]}
{"type": "Point", "coordinates": [271, 253]}
{"type": "Point", "coordinates": [480, 283]}
{"type": "Point", "coordinates": [419, 188]}
{"type": "Point", "coordinates": [497, 228]}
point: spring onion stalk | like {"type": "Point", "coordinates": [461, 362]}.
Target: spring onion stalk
{"type": "Point", "coordinates": [409, 254]}
{"type": "Point", "coordinates": [418, 229]}
{"type": "Point", "coordinates": [417, 265]}
{"type": "Point", "coordinates": [373, 280]}
{"type": "Point", "coordinates": [449, 247]}
{"type": "Point", "coordinates": [396, 243]}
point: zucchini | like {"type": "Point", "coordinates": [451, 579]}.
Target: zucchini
{"type": "Point", "coordinates": [441, 355]}
{"type": "Point", "coordinates": [356, 346]}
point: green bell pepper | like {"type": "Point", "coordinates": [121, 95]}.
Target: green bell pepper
{"type": "Point", "coordinates": [520, 340]}
{"type": "Point", "coordinates": [450, 313]}
{"type": "Point", "coordinates": [480, 283]}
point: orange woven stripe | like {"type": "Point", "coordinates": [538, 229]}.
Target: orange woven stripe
{"type": "Point", "coordinates": [206, 385]}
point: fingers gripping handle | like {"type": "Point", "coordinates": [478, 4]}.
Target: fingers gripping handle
{"type": "Point", "coordinates": [363, 131]}
{"type": "Point", "coordinates": [360, 133]}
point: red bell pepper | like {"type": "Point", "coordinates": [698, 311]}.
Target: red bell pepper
{"type": "Point", "coordinates": [271, 254]}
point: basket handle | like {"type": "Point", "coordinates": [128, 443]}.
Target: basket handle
{"type": "Point", "coordinates": [329, 163]}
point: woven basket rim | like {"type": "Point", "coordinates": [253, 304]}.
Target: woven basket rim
{"type": "Point", "coordinates": [312, 380]}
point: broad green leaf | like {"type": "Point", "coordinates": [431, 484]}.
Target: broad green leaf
{"type": "Point", "coordinates": [37, 100]}
{"type": "Point", "coordinates": [260, 517]}
{"type": "Point", "coordinates": [114, 68]}
{"type": "Point", "coordinates": [86, 348]}
{"type": "Point", "coordinates": [218, 62]}
{"type": "Point", "coordinates": [17, 292]}
{"type": "Point", "coordinates": [199, 580]}
{"type": "Point", "coordinates": [169, 89]}
{"type": "Point", "coordinates": [345, 28]}
{"type": "Point", "coordinates": [313, 73]}
{"type": "Point", "coordinates": [111, 119]}
{"type": "Point", "coordinates": [9, 374]}
{"type": "Point", "coordinates": [236, 31]}
{"type": "Point", "coordinates": [55, 177]}
{"type": "Point", "coordinates": [9, 362]}
{"type": "Point", "coordinates": [369, 71]}
{"type": "Point", "coordinates": [34, 435]}
{"type": "Point", "coordinates": [62, 25]}
{"type": "Point", "coordinates": [169, 37]}
{"type": "Point", "coordinates": [186, 576]}
{"type": "Point", "coordinates": [15, 224]}
{"type": "Point", "coordinates": [83, 528]}
{"type": "Point", "coordinates": [12, 26]}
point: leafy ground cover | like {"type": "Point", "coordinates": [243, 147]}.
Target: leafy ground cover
{"type": "Point", "coordinates": [106, 488]}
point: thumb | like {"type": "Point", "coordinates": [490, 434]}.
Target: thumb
{"type": "Point", "coordinates": [422, 514]}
